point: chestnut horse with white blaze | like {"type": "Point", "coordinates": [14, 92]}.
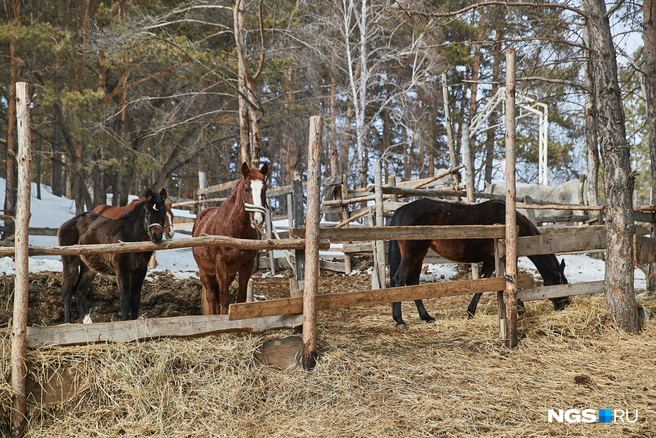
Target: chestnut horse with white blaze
{"type": "Point", "coordinates": [240, 216]}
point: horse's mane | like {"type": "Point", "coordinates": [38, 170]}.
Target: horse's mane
{"type": "Point", "coordinates": [134, 212]}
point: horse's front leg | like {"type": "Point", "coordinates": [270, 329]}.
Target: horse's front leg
{"type": "Point", "coordinates": [123, 280]}
{"type": "Point", "coordinates": [396, 314]}
{"type": "Point", "coordinates": [486, 272]}
{"type": "Point", "coordinates": [136, 284]}
{"type": "Point", "coordinates": [245, 271]}
{"type": "Point", "coordinates": [82, 292]}
{"type": "Point", "coordinates": [224, 293]}
{"type": "Point", "coordinates": [70, 266]}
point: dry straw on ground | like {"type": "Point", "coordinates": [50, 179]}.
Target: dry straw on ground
{"type": "Point", "coordinates": [451, 378]}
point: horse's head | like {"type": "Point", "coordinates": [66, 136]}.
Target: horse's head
{"type": "Point", "coordinates": [155, 216]}
{"type": "Point", "coordinates": [563, 302]}
{"type": "Point", "coordinates": [168, 226]}
{"type": "Point", "coordinates": [254, 193]}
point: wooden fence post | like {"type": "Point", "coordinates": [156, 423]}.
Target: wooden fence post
{"type": "Point", "coordinates": [311, 283]}
{"type": "Point", "coordinates": [380, 222]}
{"type": "Point", "coordinates": [468, 162]}
{"type": "Point", "coordinates": [21, 285]}
{"type": "Point", "coordinates": [348, 258]}
{"type": "Point", "coordinates": [299, 222]}
{"type": "Point", "coordinates": [511, 215]}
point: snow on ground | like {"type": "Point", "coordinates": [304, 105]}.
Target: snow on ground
{"type": "Point", "coordinates": [51, 211]}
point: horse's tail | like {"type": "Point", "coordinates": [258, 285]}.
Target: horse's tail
{"type": "Point", "coordinates": [393, 253]}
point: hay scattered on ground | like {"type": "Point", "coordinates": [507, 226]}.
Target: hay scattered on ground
{"type": "Point", "coordinates": [451, 378]}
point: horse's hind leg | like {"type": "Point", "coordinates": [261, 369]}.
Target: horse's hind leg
{"type": "Point", "coordinates": [70, 276]}
{"type": "Point", "coordinates": [82, 292]}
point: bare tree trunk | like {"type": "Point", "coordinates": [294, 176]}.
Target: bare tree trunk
{"type": "Point", "coordinates": [490, 137]}
{"type": "Point", "coordinates": [649, 52]}
{"type": "Point", "coordinates": [618, 181]}
{"type": "Point", "coordinates": [12, 170]}
{"type": "Point", "coordinates": [591, 139]}
{"type": "Point", "coordinates": [332, 128]}
{"type": "Point", "coordinates": [240, 41]}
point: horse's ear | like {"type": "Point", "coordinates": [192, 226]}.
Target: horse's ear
{"type": "Point", "coordinates": [264, 169]}
{"type": "Point", "coordinates": [162, 194]}
{"type": "Point", "coordinates": [245, 169]}
{"type": "Point", "coordinates": [149, 195]}
{"type": "Point", "coordinates": [562, 265]}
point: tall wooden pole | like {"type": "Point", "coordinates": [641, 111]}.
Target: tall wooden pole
{"type": "Point", "coordinates": [449, 130]}
{"type": "Point", "coordinates": [511, 218]}
{"type": "Point", "coordinates": [468, 162]}
{"type": "Point", "coordinates": [21, 285]}
{"type": "Point", "coordinates": [298, 222]}
{"type": "Point", "coordinates": [313, 216]}
{"type": "Point", "coordinates": [380, 222]}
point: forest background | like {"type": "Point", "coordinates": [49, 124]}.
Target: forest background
{"type": "Point", "coordinates": [136, 94]}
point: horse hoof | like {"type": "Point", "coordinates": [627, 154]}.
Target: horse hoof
{"type": "Point", "coordinates": [521, 311]}
{"type": "Point", "coordinates": [469, 315]}
{"type": "Point", "coordinates": [430, 320]}
{"type": "Point", "coordinates": [401, 326]}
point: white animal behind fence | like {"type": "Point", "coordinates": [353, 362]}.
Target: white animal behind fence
{"type": "Point", "coordinates": [570, 192]}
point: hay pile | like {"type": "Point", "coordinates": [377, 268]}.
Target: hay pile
{"type": "Point", "coordinates": [451, 378]}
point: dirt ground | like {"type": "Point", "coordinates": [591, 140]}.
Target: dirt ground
{"type": "Point", "coordinates": [163, 296]}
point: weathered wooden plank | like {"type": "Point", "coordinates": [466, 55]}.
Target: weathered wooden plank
{"type": "Point", "coordinates": [219, 187]}
{"type": "Point", "coordinates": [36, 231]}
{"type": "Point", "coordinates": [143, 329]}
{"type": "Point", "coordinates": [230, 242]}
{"type": "Point", "coordinates": [560, 229]}
{"type": "Point", "coordinates": [639, 216]}
{"type": "Point", "coordinates": [561, 290]}
{"type": "Point", "coordinates": [407, 233]}
{"type": "Point", "coordinates": [644, 250]}
{"type": "Point", "coordinates": [372, 297]}
{"type": "Point", "coordinates": [556, 243]}
{"type": "Point", "coordinates": [57, 385]}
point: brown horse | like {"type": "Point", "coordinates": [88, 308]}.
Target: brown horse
{"type": "Point", "coordinates": [143, 222]}
{"type": "Point", "coordinates": [239, 216]}
{"type": "Point", "coordinates": [113, 212]}
{"type": "Point", "coordinates": [406, 256]}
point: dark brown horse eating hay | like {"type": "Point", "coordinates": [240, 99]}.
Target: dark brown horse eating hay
{"type": "Point", "coordinates": [114, 212]}
{"type": "Point", "coordinates": [240, 216]}
{"type": "Point", "coordinates": [406, 256]}
{"type": "Point", "coordinates": [144, 222]}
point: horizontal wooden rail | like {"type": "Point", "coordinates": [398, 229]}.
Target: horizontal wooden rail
{"type": "Point", "coordinates": [230, 242]}
{"type": "Point", "coordinates": [561, 290]}
{"type": "Point", "coordinates": [152, 328]}
{"type": "Point", "coordinates": [367, 298]}
{"type": "Point", "coordinates": [558, 243]}
{"type": "Point", "coordinates": [407, 233]}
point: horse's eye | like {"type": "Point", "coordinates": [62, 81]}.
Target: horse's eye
{"type": "Point", "coordinates": [248, 190]}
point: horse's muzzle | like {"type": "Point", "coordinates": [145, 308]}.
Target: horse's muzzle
{"type": "Point", "coordinates": [259, 213]}
{"type": "Point", "coordinates": [156, 233]}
